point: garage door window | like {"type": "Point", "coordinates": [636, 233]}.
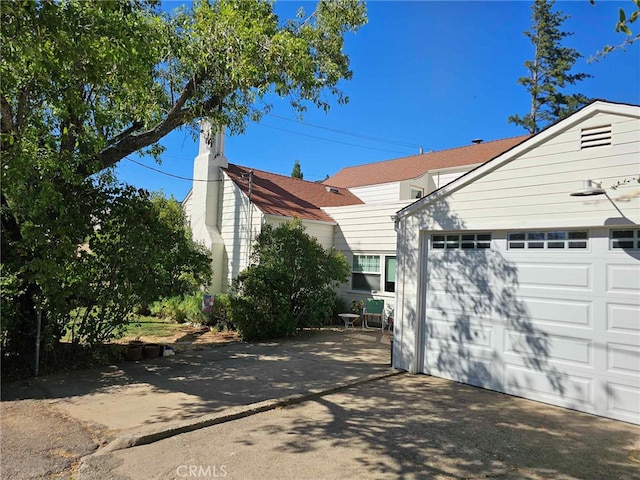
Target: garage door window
{"type": "Point", "coordinates": [551, 240]}
{"type": "Point", "coordinates": [625, 239]}
{"type": "Point", "coordinates": [467, 241]}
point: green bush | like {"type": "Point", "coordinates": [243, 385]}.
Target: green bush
{"type": "Point", "coordinates": [220, 317]}
{"type": "Point", "coordinates": [289, 285]}
{"type": "Point", "coordinates": [339, 306]}
{"type": "Point", "coordinates": [262, 311]}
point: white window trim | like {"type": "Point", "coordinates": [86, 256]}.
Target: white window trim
{"type": "Point", "coordinates": [449, 241]}
{"type": "Point", "coordinates": [635, 239]}
{"type": "Point", "coordinates": [381, 273]}
{"type": "Point", "coordinates": [546, 241]}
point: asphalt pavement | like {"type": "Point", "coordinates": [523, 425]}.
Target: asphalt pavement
{"type": "Point", "coordinates": [322, 405]}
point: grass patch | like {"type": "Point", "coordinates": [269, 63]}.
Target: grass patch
{"type": "Point", "coordinates": [151, 327]}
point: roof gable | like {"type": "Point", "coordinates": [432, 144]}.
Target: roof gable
{"type": "Point", "coordinates": [414, 166]}
{"type": "Point", "coordinates": [289, 197]}
{"type": "Point", "coordinates": [534, 141]}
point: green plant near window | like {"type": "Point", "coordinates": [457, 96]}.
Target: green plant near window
{"type": "Point", "coordinates": [356, 307]}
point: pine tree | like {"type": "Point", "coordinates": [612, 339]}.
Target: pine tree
{"type": "Point", "coordinates": [297, 172]}
{"type": "Point", "coordinates": [549, 71]}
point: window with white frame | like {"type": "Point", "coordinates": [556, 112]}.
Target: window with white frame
{"type": "Point", "coordinates": [373, 273]}
{"type": "Point", "coordinates": [465, 241]}
{"type": "Point", "coordinates": [627, 239]}
{"type": "Point", "coordinates": [548, 240]}
{"type": "Point", "coordinates": [417, 192]}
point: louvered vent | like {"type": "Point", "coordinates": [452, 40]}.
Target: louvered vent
{"type": "Point", "coordinates": [595, 137]}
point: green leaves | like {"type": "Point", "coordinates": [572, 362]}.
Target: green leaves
{"type": "Point", "coordinates": [290, 283]}
{"type": "Point", "coordinates": [549, 71]}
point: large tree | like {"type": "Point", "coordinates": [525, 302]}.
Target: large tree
{"type": "Point", "coordinates": [87, 83]}
{"type": "Point", "coordinates": [549, 70]}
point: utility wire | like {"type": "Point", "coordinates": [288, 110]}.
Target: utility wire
{"type": "Point", "coordinates": [328, 139]}
{"type": "Point", "coordinates": [169, 174]}
{"type": "Point", "coordinates": [343, 132]}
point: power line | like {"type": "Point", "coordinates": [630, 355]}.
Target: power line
{"type": "Point", "coordinates": [344, 132]}
{"type": "Point", "coordinates": [329, 140]}
{"type": "Point", "coordinates": [169, 174]}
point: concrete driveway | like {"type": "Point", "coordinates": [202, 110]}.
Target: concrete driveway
{"type": "Point", "coordinates": [325, 405]}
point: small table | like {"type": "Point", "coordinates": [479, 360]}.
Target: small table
{"type": "Point", "coordinates": [349, 318]}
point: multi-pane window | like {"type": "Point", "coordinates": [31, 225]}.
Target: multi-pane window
{"type": "Point", "coordinates": [556, 239]}
{"type": "Point", "coordinates": [625, 239]}
{"type": "Point", "coordinates": [466, 241]}
{"type": "Point", "coordinates": [367, 273]}
{"type": "Point", "coordinates": [417, 192]}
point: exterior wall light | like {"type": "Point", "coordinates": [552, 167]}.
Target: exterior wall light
{"type": "Point", "coordinates": [589, 188]}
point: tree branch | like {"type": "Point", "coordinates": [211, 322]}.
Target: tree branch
{"type": "Point", "coordinates": [128, 142]}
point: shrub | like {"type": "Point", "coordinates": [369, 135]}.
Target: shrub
{"type": "Point", "coordinates": [220, 317]}
{"type": "Point", "coordinates": [289, 285]}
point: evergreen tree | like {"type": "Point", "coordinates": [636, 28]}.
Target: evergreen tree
{"type": "Point", "coordinates": [297, 171]}
{"type": "Point", "coordinates": [549, 71]}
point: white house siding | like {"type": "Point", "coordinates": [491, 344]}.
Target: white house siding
{"type": "Point", "coordinates": [365, 228]}
{"type": "Point", "coordinates": [362, 230]}
{"type": "Point", "coordinates": [235, 215]}
{"type": "Point", "coordinates": [382, 193]}
{"type": "Point", "coordinates": [596, 358]}
{"type": "Point", "coordinates": [187, 206]}
{"type": "Point", "coordinates": [445, 176]}
{"type": "Point", "coordinates": [532, 191]}
{"type": "Point", "coordinates": [321, 231]}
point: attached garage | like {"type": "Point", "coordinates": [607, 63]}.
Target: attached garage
{"type": "Point", "coordinates": [506, 281]}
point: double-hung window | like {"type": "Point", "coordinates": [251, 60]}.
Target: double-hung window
{"type": "Point", "coordinates": [373, 273]}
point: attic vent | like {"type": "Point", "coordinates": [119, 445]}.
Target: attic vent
{"type": "Point", "coordinates": [595, 137]}
{"type": "Point", "coordinates": [332, 190]}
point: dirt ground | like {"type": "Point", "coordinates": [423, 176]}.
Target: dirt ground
{"type": "Point", "coordinates": [188, 337]}
{"type": "Point", "coordinates": [37, 441]}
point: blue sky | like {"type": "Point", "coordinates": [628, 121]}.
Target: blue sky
{"type": "Point", "coordinates": [425, 73]}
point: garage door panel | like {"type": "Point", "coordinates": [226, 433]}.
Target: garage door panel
{"type": "Point", "coordinates": [569, 313]}
{"type": "Point", "coordinates": [623, 359]}
{"type": "Point", "coordinates": [560, 388]}
{"type": "Point", "coordinates": [567, 276]}
{"type": "Point", "coordinates": [623, 401]}
{"type": "Point", "coordinates": [624, 279]}
{"type": "Point", "coordinates": [479, 370]}
{"type": "Point", "coordinates": [623, 319]}
{"type": "Point", "coordinates": [475, 335]}
{"type": "Point", "coordinates": [551, 349]}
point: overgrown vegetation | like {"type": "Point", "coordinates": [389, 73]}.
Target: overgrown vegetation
{"type": "Point", "coordinates": [188, 308]}
{"type": "Point", "coordinates": [87, 83]}
{"type": "Point", "coordinates": [290, 284]}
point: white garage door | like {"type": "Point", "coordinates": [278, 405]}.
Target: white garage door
{"type": "Point", "coordinates": [550, 315]}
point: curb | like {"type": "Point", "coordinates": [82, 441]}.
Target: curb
{"type": "Point", "coordinates": [232, 413]}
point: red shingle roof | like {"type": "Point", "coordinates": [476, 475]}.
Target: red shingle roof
{"type": "Point", "coordinates": [289, 197]}
{"type": "Point", "coordinates": [411, 167]}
